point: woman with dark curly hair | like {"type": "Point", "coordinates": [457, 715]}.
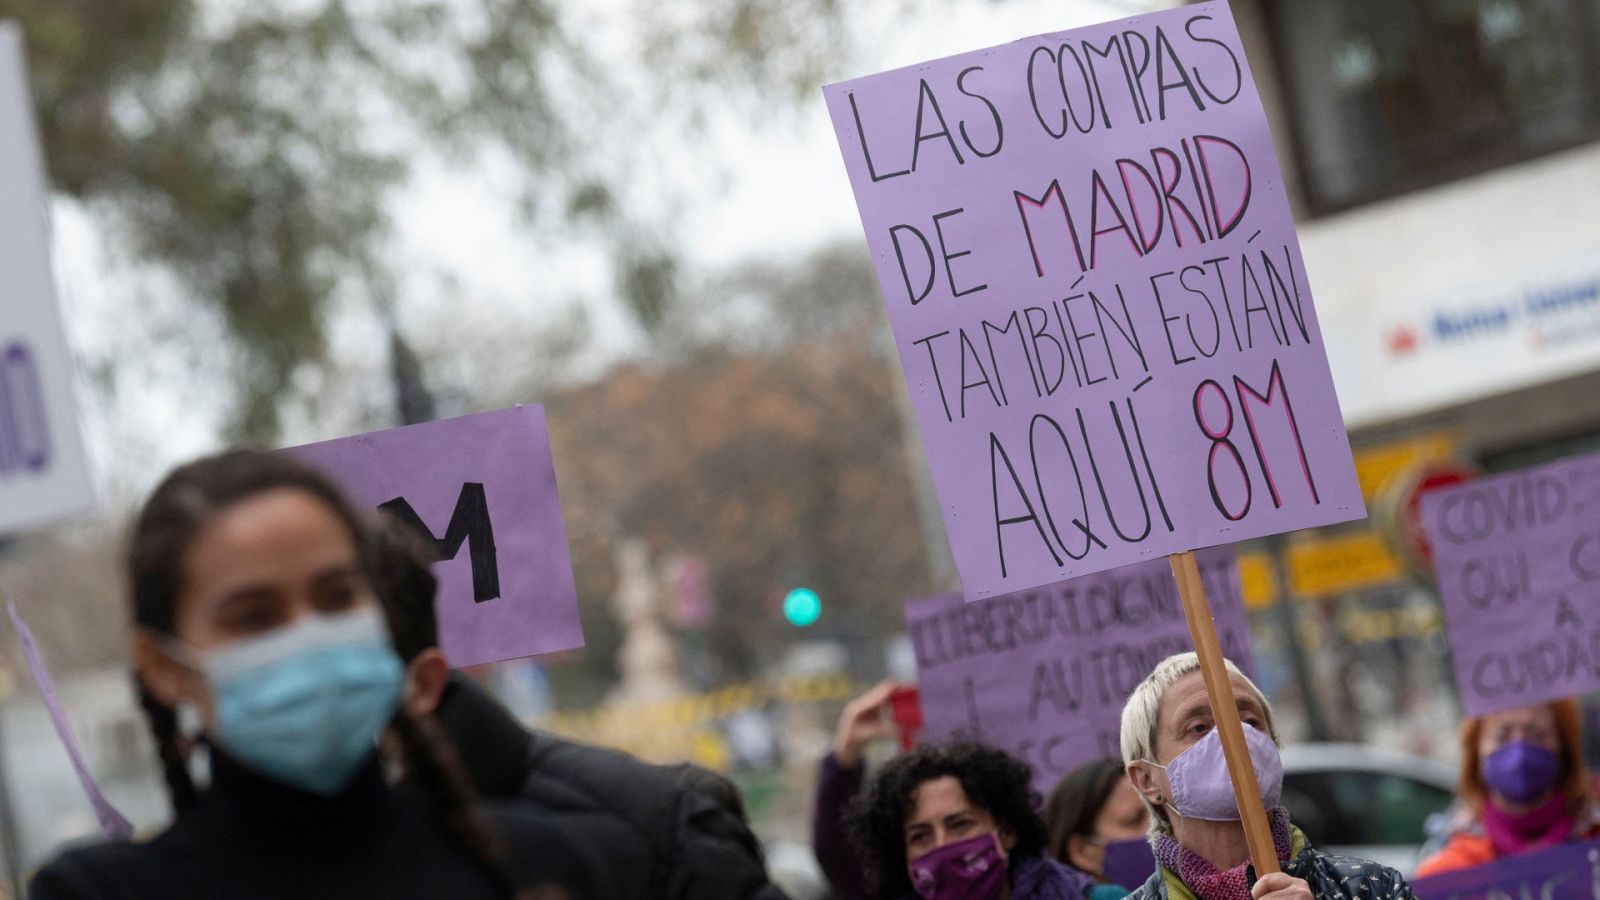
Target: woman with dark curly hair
{"type": "Point", "coordinates": [958, 821]}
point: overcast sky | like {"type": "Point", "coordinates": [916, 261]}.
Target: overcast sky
{"type": "Point", "coordinates": [767, 189]}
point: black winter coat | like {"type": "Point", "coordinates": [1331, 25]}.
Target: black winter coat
{"type": "Point", "coordinates": [656, 839]}
{"type": "Point", "coordinates": [254, 838]}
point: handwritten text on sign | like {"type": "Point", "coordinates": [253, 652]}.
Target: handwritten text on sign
{"type": "Point", "coordinates": [1098, 297]}
{"type": "Point", "coordinates": [1044, 673]}
{"type": "Point", "coordinates": [483, 489]}
{"type": "Point", "coordinates": [1518, 563]}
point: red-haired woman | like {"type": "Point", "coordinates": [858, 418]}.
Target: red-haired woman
{"type": "Point", "coordinates": [1523, 787]}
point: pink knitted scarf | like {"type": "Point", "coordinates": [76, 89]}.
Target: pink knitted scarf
{"type": "Point", "coordinates": [1207, 881]}
{"type": "Point", "coordinates": [1544, 826]}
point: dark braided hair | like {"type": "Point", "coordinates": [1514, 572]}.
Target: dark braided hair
{"type": "Point", "coordinates": [406, 584]}
{"type": "Point", "coordinates": [185, 502]}
{"type": "Point", "coordinates": [993, 780]}
{"type": "Point", "coordinates": [169, 746]}
{"type": "Point", "coordinates": [1076, 801]}
{"type": "Point", "coordinates": [432, 764]}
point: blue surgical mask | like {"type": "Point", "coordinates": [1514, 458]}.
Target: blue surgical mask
{"type": "Point", "coordinates": [304, 704]}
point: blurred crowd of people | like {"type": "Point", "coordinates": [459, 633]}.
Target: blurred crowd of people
{"type": "Point", "coordinates": [937, 821]}
{"type": "Point", "coordinates": [317, 743]}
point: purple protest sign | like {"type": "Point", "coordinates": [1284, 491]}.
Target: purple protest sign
{"type": "Point", "coordinates": [1564, 872]}
{"type": "Point", "coordinates": [1096, 290]}
{"type": "Point", "coordinates": [484, 487]}
{"type": "Point", "coordinates": [1518, 563]}
{"type": "Point", "coordinates": [112, 822]}
{"type": "Point", "coordinates": [1043, 673]}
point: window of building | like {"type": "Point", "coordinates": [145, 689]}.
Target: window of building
{"type": "Point", "coordinates": [1392, 95]}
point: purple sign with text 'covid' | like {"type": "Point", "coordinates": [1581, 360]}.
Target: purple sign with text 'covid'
{"type": "Point", "coordinates": [1517, 558]}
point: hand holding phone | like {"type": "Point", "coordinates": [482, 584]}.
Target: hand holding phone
{"type": "Point", "coordinates": [864, 722]}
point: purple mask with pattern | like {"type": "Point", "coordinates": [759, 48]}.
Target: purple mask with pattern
{"type": "Point", "coordinates": [973, 869]}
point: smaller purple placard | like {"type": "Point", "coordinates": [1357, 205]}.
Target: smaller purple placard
{"type": "Point", "coordinates": [1518, 563]}
{"type": "Point", "coordinates": [1565, 872]}
{"type": "Point", "coordinates": [484, 488]}
{"type": "Point", "coordinates": [1043, 674]}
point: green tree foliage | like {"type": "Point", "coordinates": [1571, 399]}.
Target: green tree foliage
{"type": "Point", "coordinates": [254, 149]}
{"type": "Point", "coordinates": [766, 441]}
{"type": "Point", "coordinates": [769, 466]}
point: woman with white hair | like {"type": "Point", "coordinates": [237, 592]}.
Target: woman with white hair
{"type": "Point", "coordinates": [1174, 758]}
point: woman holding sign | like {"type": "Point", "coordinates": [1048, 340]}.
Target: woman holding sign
{"type": "Point", "coordinates": [1523, 787]}
{"type": "Point", "coordinates": [251, 584]}
{"type": "Point", "coordinates": [1174, 757]}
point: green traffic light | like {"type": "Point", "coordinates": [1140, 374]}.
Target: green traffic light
{"type": "Point", "coordinates": [802, 606]}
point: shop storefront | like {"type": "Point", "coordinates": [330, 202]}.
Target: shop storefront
{"type": "Point", "coordinates": [1459, 297]}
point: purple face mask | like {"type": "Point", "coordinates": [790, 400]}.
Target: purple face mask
{"type": "Point", "coordinates": [1521, 772]}
{"type": "Point", "coordinates": [1201, 788]}
{"type": "Point", "coordinates": [973, 869]}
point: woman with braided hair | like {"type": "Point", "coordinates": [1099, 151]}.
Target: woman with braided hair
{"type": "Point", "coordinates": [251, 585]}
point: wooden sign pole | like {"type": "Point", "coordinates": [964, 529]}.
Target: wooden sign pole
{"type": "Point", "coordinates": [1225, 713]}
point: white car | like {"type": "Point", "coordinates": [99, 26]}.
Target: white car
{"type": "Point", "coordinates": [1356, 800]}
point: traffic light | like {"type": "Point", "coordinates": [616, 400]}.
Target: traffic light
{"type": "Point", "coordinates": [802, 606]}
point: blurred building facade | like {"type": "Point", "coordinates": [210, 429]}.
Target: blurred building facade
{"type": "Point", "coordinates": [1443, 160]}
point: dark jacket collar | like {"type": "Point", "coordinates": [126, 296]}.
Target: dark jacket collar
{"type": "Point", "coordinates": [240, 791]}
{"type": "Point", "coordinates": [493, 747]}
{"type": "Point", "coordinates": [1042, 878]}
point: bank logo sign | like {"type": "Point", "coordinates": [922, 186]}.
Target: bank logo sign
{"type": "Point", "coordinates": [1543, 315]}
{"type": "Point", "coordinates": [1474, 340]}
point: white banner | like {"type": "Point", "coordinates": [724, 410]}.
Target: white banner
{"type": "Point", "coordinates": [43, 470]}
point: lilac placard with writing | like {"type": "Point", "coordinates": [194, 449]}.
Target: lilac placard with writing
{"type": "Point", "coordinates": [1517, 558]}
{"type": "Point", "coordinates": [1097, 293]}
{"type": "Point", "coordinates": [112, 822]}
{"type": "Point", "coordinates": [484, 487]}
{"type": "Point", "coordinates": [1043, 673]}
{"type": "Point", "coordinates": [1564, 872]}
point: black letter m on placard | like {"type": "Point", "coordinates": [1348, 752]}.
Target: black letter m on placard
{"type": "Point", "coordinates": [468, 523]}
